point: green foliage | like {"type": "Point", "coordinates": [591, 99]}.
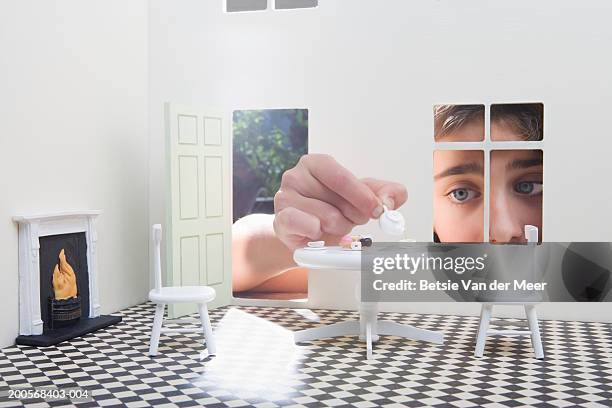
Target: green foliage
{"type": "Point", "coordinates": [270, 142]}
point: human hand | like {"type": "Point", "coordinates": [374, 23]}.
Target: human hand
{"type": "Point", "coordinates": [320, 200]}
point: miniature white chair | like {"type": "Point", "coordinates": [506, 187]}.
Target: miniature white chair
{"type": "Point", "coordinates": [531, 234]}
{"type": "Point", "coordinates": [162, 296]}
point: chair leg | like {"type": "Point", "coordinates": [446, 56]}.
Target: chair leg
{"type": "Point", "coordinates": [208, 332]}
{"type": "Point", "coordinates": [156, 328]}
{"type": "Point", "coordinates": [485, 317]}
{"type": "Point", "coordinates": [534, 327]}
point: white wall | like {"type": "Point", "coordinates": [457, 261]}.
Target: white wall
{"type": "Point", "coordinates": [370, 72]}
{"type": "Point", "coordinates": [73, 134]}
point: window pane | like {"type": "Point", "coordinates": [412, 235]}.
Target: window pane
{"type": "Point", "coordinates": [517, 121]}
{"type": "Point", "coordinates": [516, 194]}
{"type": "Point", "coordinates": [459, 123]}
{"type": "Point", "coordinates": [294, 4]}
{"type": "Point", "coordinates": [246, 5]}
{"type": "Point", "coordinates": [266, 143]}
{"type": "Point", "coordinates": [458, 195]}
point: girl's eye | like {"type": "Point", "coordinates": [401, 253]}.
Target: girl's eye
{"type": "Point", "coordinates": [463, 195]}
{"type": "Point", "coordinates": [529, 188]}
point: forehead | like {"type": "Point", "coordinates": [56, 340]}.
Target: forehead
{"type": "Point", "coordinates": [474, 132]}
{"type": "Point", "coordinates": [449, 158]}
{"type": "Point", "coordinates": [503, 156]}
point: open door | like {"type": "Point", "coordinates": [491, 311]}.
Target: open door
{"type": "Point", "coordinates": [199, 223]}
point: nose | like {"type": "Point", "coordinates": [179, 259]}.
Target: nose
{"type": "Point", "coordinates": [505, 224]}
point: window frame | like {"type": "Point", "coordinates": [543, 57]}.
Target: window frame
{"type": "Point", "coordinates": [487, 146]}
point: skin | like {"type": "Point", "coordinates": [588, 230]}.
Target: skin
{"type": "Point", "coordinates": [318, 199]}
{"type": "Point", "coordinates": [515, 193]}
{"type": "Point", "coordinates": [470, 132]}
{"type": "Point", "coordinates": [458, 202]}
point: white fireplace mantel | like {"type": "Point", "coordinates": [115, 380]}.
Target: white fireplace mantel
{"type": "Point", "coordinates": [31, 228]}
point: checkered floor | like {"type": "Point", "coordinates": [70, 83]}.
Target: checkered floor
{"type": "Point", "coordinates": [258, 365]}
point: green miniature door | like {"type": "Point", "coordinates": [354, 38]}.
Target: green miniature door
{"type": "Point", "coordinates": [199, 214]}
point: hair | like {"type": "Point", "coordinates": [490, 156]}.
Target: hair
{"type": "Point", "coordinates": [525, 119]}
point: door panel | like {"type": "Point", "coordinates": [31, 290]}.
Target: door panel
{"type": "Point", "coordinates": [190, 261]}
{"type": "Point", "coordinates": [213, 169]}
{"type": "Point", "coordinates": [199, 207]}
{"type": "Point", "coordinates": [188, 187]}
{"type": "Point", "coordinates": [214, 264]}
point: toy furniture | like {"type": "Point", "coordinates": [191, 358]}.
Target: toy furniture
{"type": "Point", "coordinates": [531, 234]}
{"type": "Point", "coordinates": [368, 327]}
{"type": "Point", "coordinates": [162, 296]}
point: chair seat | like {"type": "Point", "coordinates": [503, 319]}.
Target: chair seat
{"type": "Point", "coordinates": [182, 294]}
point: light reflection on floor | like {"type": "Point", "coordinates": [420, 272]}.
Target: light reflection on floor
{"type": "Point", "coordinates": [308, 314]}
{"type": "Point", "coordinates": [255, 357]}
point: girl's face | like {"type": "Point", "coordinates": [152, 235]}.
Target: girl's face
{"type": "Point", "coordinates": [515, 194]}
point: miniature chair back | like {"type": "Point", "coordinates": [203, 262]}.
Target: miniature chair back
{"type": "Point", "coordinates": [157, 237]}
{"type": "Point", "coordinates": [531, 234]}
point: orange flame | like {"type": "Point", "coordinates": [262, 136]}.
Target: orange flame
{"type": "Point", "coordinates": [64, 279]}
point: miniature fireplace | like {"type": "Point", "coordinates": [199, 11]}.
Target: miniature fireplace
{"type": "Point", "coordinates": [63, 279]}
{"type": "Point", "coordinates": [58, 285]}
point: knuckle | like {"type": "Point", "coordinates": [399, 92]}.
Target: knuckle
{"type": "Point", "coordinates": [282, 221]}
{"type": "Point", "coordinates": [333, 218]}
{"type": "Point", "coordinates": [334, 221]}
{"type": "Point", "coordinates": [327, 159]}
{"type": "Point", "coordinates": [280, 200]}
{"type": "Point", "coordinates": [338, 179]}
{"type": "Point", "coordinates": [372, 203]}
{"type": "Point", "coordinates": [361, 219]}
{"type": "Point", "coordinates": [354, 215]}
{"type": "Point", "coordinates": [320, 159]}
{"type": "Point", "coordinates": [304, 160]}
{"type": "Point", "coordinates": [289, 178]}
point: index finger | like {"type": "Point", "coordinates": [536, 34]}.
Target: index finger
{"type": "Point", "coordinates": [341, 181]}
{"type": "Point", "coordinates": [390, 193]}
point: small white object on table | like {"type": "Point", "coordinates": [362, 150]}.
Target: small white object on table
{"type": "Point", "coordinates": [368, 328]}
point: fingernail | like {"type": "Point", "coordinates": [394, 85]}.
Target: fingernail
{"type": "Point", "coordinates": [377, 211]}
{"type": "Point", "coordinates": [389, 203]}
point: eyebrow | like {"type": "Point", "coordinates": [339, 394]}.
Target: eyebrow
{"type": "Point", "coordinates": [460, 169]}
{"type": "Point", "coordinates": [524, 163]}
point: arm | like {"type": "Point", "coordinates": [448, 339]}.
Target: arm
{"type": "Point", "coordinates": [257, 253]}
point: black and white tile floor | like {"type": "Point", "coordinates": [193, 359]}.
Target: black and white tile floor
{"type": "Point", "coordinates": [258, 365]}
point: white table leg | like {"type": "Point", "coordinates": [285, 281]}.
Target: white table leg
{"type": "Point", "coordinates": [387, 328]}
{"type": "Point", "coordinates": [368, 341]}
{"type": "Point", "coordinates": [368, 314]}
{"type": "Point", "coordinates": [350, 328]}
{"type": "Point", "coordinates": [534, 327]}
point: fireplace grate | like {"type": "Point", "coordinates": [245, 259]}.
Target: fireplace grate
{"type": "Point", "coordinates": [64, 311]}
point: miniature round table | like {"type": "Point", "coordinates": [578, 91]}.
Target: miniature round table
{"type": "Point", "coordinates": [368, 328]}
